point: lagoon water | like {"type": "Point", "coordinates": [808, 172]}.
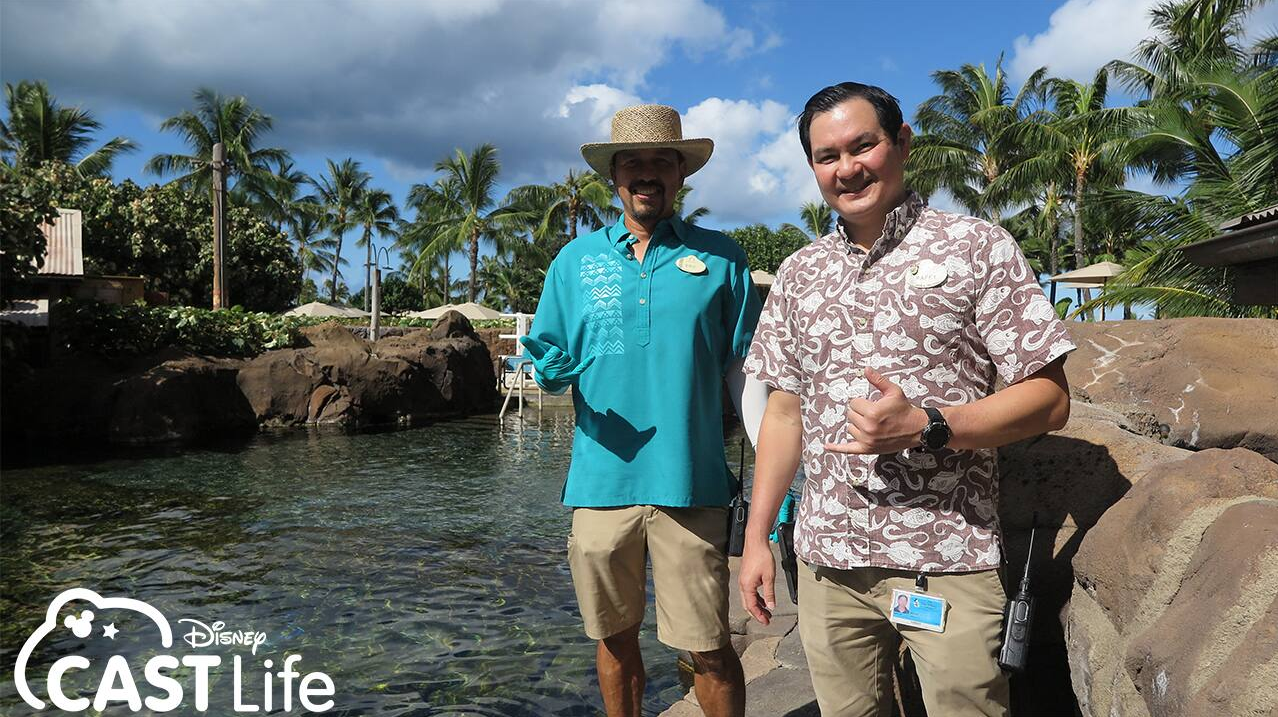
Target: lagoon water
{"type": "Point", "coordinates": [422, 570]}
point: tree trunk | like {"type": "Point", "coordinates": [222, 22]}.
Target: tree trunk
{"type": "Point", "coordinates": [448, 280]}
{"type": "Point", "coordinates": [1080, 254]}
{"type": "Point", "coordinates": [337, 259]}
{"type": "Point", "coordinates": [368, 264]}
{"type": "Point", "coordinates": [474, 266]}
{"type": "Point", "coordinates": [332, 297]}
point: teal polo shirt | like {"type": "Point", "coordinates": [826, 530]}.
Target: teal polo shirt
{"type": "Point", "coordinates": [649, 428]}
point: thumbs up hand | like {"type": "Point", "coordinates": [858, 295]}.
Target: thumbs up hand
{"type": "Point", "coordinates": [887, 425]}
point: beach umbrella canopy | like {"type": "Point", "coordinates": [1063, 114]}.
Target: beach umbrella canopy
{"type": "Point", "coordinates": [1097, 273]}
{"type": "Point", "coordinates": [319, 308]}
{"type": "Point", "coordinates": [470, 310]}
{"type": "Point", "coordinates": [762, 278]}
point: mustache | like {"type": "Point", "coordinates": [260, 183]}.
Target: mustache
{"type": "Point", "coordinates": [645, 187]}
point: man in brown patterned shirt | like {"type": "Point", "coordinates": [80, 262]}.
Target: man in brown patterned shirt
{"type": "Point", "coordinates": [882, 342]}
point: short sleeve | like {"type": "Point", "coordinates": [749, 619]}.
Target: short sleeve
{"type": "Point", "coordinates": [773, 357]}
{"type": "Point", "coordinates": [743, 314]}
{"type": "Point", "coordinates": [1014, 320]}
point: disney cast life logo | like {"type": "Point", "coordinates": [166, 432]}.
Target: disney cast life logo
{"type": "Point", "coordinates": [271, 690]}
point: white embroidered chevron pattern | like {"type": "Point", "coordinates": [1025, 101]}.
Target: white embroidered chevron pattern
{"type": "Point", "coordinates": [601, 286]}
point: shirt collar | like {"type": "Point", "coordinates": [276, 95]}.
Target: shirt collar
{"type": "Point", "coordinates": [619, 234]}
{"type": "Point", "coordinates": [899, 223]}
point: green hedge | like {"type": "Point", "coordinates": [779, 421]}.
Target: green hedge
{"type": "Point", "coordinates": [115, 330]}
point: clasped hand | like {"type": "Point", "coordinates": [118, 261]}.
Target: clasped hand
{"type": "Point", "coordinates": [888, 425]}
{"type": "Point", "coordinates": [554, 369]}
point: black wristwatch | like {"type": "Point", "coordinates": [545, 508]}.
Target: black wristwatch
{"type": "Point", "coordinates": [937, 432]}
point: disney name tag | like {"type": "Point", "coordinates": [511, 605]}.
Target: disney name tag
{"type": "Point", "coordinates": [691, 264]}
{"type": "Point", "coordinates": [918, 610]}
{"type": "Point", "coordinates": [926, 274]}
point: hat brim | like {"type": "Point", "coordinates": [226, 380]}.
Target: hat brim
{"type": "Point", "coordinates": [696, 152]}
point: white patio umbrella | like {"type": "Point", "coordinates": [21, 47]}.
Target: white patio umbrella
{"type": "Point", "coordinates": [470, 310]}
{"type": "Point", "coordinates": [319, 308]}
{"type": "Point", "coordinates": [1094, 276]}
{"type": "Point", "coordinates": [762, 278]}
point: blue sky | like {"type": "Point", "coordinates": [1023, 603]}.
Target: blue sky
{"type": "Point", "coordinates": [397, 84]}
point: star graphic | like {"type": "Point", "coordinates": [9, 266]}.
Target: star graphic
{"type": "Point", "coordinates": [110, 631]}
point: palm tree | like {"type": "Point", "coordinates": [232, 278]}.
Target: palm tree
{"type": "Point", "coordinates": [1224, 129]}
{"type": "Point", "coordinates": [433, 278]}
{"type": "Point", "coordinates": [314, 252]}
{"type": "Point", "coordinates": [39, 130]}
{"type": "Point", "coordinates": [338, 194]}
{"type": "Point", "coordinates": [375, 211]}
{"type": "Point", "coordinates": [461, 210]}
{"type": "Point", "coordinates": [693, 216]}
{"type": "Point", "coordinates": [966, 137]}
{"type": "Point", "coordinates": [238, 126]}
{"type": "Point", "coordinates": [582, 198]}
{"type": "Point", "coordinates": [817, 218]}
{"type": "Point", "coordinates": [1191, 36]}
{"type": "Point", "coordinates": [1080, 147]}
{"type": "Point", "coordinates": [280, 202]}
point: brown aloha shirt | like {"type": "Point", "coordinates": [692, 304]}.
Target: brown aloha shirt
{"type": "Point", "coordinates": [940, 303]}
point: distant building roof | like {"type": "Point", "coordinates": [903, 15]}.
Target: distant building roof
{"type": "Point", "coordinates": [1251, 237]}
{"type": "Point", "coordinates": [1249, 246]}
{"type": "Point", "coordinates": [65, 253]}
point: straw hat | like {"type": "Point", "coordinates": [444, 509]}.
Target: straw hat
{"type": "Point", "coordinates": [647, 127]}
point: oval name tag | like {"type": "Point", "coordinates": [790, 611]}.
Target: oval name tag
{"type": "Point", "coordinates": [926, 274]}
{"type": "Point", "coordinates": [691, 264]}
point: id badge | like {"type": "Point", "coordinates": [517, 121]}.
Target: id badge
{"type": "Point", "coordinates": [918, 610]}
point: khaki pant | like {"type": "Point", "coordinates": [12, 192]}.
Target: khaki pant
{"type": "Point", "coordinates": [608, 552]}
{"type": "Point", "coordinates": [850, 645]}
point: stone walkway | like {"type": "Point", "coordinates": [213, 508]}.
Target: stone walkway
{"type": "Point", "coordinates": [776, 670]}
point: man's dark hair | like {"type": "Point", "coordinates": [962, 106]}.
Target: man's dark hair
{"type": "Point", "coordinates": [885, 106]}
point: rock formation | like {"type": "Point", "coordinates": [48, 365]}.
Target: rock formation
{"type": "Point", "coordinates": [1212, 382]}
{"type": "Point", "coordinates": [338, 378]}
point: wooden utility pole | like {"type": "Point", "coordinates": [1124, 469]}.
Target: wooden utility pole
{"type": "Point", "coordinates": [220, 299]}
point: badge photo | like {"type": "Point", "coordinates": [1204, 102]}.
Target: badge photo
{"type": "Point", "coordinates": [918, 610]}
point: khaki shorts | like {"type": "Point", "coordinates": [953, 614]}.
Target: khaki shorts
{"type": "Point", "coordinates": [608, 551]}
{"type": "Point", "coordinates": [850, 645]}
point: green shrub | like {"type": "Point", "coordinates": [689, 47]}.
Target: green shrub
{"type": "Point", "coordinates": [117, 331]}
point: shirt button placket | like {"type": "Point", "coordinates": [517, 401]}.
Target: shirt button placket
{"type": "Point", "coordinates": [644, 312]}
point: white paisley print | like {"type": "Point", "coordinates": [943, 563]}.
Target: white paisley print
{"type": "Point", "coordinates": [940, 305]}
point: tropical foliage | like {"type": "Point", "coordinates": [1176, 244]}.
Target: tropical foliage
{"type": "Point", "coordinates": [1050, 159]}
{"type": "Point", "coordinates": [766, 248]}
{"type": "Point", "coordinates": [163, 234]}
{"type": "Point", "coordinates": [115, 330]}
{"type": "Point", "coordinates": [39, 130]}
{"type": "Point", "coordinates": [24, 206]}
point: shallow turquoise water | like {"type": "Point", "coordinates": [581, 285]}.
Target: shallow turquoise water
{"type": "Point", "coordinates": [423, 570]}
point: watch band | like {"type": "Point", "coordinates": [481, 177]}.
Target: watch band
{"type": "Point", "coordinates": [937, 433]}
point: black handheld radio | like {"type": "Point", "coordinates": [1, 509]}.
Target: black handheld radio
{"type": "Point", "coordinates": [1017, 619]}
{"type": "Point", "coordinates": [738, 513]}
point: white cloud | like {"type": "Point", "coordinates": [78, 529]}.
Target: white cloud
{"type": "Point", "coordinates": [403, 80]}
{"type": "Point", "coordinates": [1083, 35]}
{"type": "Point", "coordinates": [758, 171]}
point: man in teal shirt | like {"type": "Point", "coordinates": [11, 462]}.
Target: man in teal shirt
{"type": "Point", "coordinates": [644, 320]}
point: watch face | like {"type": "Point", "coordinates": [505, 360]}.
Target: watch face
{"type": "Point", "coordinates": [936, 435]}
